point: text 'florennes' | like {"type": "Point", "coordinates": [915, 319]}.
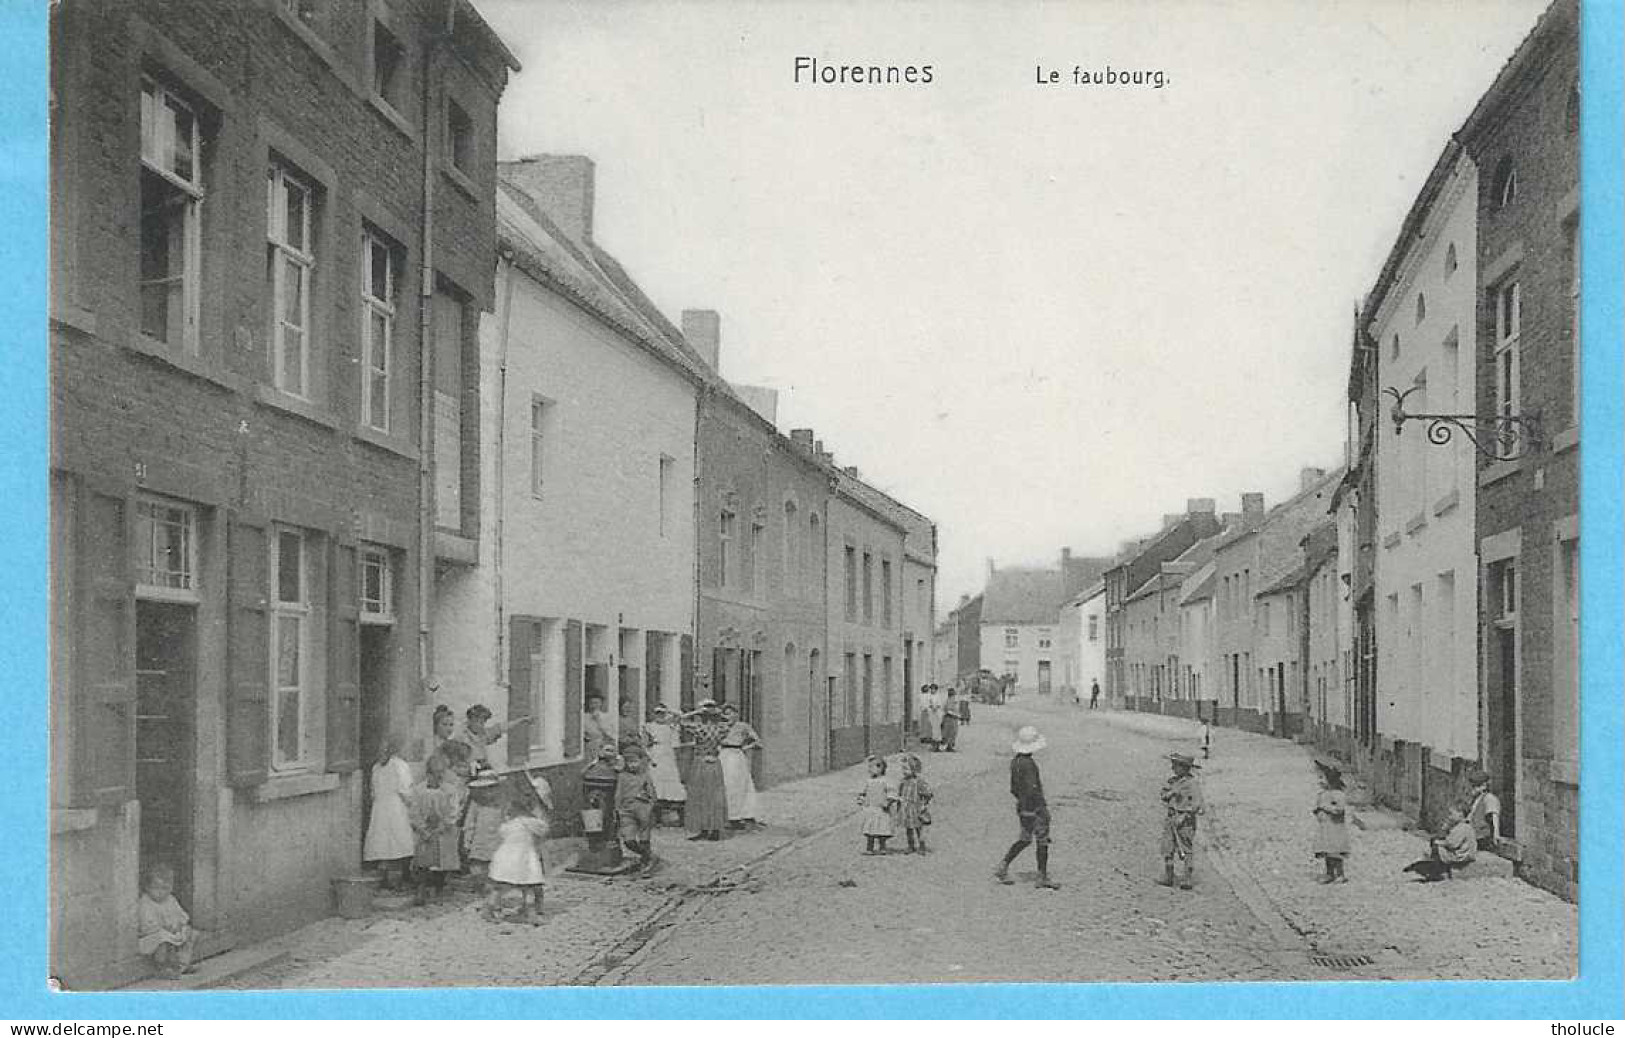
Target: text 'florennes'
{"type": "Point", "coordinates": [813, 71]}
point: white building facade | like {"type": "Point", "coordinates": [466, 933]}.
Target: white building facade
{"type": "Point", "coordinates": [1426, 560]}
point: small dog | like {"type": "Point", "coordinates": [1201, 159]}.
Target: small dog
{"type": "Point", "coordinates": [1431, 871]}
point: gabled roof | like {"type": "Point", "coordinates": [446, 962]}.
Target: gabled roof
{"type": "Point", "coordinates": [1203, 589]}
{"type": "Point", "coordinates": [1022, 596]}
{"type": "Point", "coordinates": [1285, 582]}
{"type": "Point", "coordinates": [1152, 585]}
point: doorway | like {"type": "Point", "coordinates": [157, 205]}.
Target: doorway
{"type": "Point", "coordinates": [374, 681]}
{"type": "Point", "coordinates": [1503, 726]}
{"type": "Point", "coordinates": [1043, 678]}
{"type": "Point", "coordinates": [909, 719]}
{"type": "Point", "coordinates": [166, 654]}
{"type": "Point", "coordinates": [812, 711]}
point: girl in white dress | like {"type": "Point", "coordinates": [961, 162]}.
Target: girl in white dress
{"type": "Point", "coordinates": [389, 838]}
{"type": "Point", "coordinates": [517, 863]}
{"type": "Point", "coordinates": [662, 737]}
{"type": "Point", "coordinates": [737, 743]}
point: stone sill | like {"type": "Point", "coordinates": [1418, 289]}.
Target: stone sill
{"type": "Point", "coordinates": [386, 442]}
{"type": "Point", "coordinates": [190, 364]}
{"type": "Point", "coordinates": [73, 819]}
{"type": "Point", "coordinates": [1497, 471]}
{"type": "Point", "coordinates": [1567, 440]}
{"type": "Point", "coordinates": [1447, 503]}
{"type": "Point", "coordinates": [287, 403]}
{"type": "Point", "coordinates": [453, 547]}
{"type": "Point", "coordinates": [1416, 522]}
{"type": "Point", "coordinates": [1566, 772]}
{"type": "Point", "coordinates": [458, 177]}
{"type": "Point", "coordinates": [388, 113]}
{"type": "Point", "coordinates": [286, 787]}
{"type": "Point", "coordinates": [75, 317]}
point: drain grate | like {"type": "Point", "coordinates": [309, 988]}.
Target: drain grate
{"type": "Point", "coordinates": [1341, 962]}
{"type": "Point", "coordinates": [1104, 794]}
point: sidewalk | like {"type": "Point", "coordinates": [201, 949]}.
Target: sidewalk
{"type": "Point", "coordinates": [1485, 923]}
{"type": "Point", "coordinates": [586, 919]}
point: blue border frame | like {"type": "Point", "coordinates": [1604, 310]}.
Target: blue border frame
{"type": "Point", "coordinates": [23, 467]}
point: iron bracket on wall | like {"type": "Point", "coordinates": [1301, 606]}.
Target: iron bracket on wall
{"type": "Point", "coordinates": [1497, 437]}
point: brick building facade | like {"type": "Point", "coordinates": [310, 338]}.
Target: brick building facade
{"type": "Point", "coordinates": [245, 208]}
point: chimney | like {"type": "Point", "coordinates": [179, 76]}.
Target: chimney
{"type": "Point", "coordinates": [703, 330]}
{"type": "Point", "coordinates": [990, 569]}
{"type": "Point", "coordinates": [1252, 507]}
{"type": "Point", "coordinates": [1127, 547]}
{"type": "Point", "coordinates": [1231, 519]}
{"type": "Point", "coordinates": [802, 438]}
{"type": "Point", "coordinates": [1308, 477]}
{"type": "Point", "coordinates": [1200, 506]}
{"type": "Point", "coordinates": [1066, 557]}
{"type": "Point", "coordinates": [560, 185]}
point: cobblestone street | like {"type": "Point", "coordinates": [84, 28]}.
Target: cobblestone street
{"type": "Point", "coordinates": [796, 903]}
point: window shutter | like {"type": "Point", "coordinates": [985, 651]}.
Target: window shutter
{"type": "Point", "coordinates": [630, 680]}
{"type": "Point", "coordinates": [719, 675]}
{"type": "Point", "coordinates": [248, 702]}
{"type": "Point", "coordinates": [572, 688]}
{"type": "Point", "coordinates": [685, 674]}
{"type": "Point", "coordinates": [521, 645]}
{"type": "Point", "coordinates": [344, 660]}
{"type": "Point", "coordinates": [651, 668]}
{"type": "Point", "coordinates": [105, 701]}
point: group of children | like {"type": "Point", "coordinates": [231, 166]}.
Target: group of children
{"type": "Point", "coordinates": [889, 804]}
{"type": "Point", "coordinates": [487, 826]}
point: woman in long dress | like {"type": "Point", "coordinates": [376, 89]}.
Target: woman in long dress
{"type": "Point", "coordinates": [931, 717]}
{"type": "Point", "coordinates": [662, 735]}
{"type": "Point", "coordinates": [740, 739]}
{"type": "Point", "coordinates": [389, 839]}
{"type": "Point", "coordinates": [707, 811]}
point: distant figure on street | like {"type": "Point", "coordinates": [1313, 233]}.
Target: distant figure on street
{"type": "Point", "coordinates": [1032, 811]}
{"type": "Point", "coordinates": [930, 717]}
{"type": "Point", "coordinates": [964, 709]}
{"type": "Point", "coordinates": [389, 842]}
{"type": "Point", "coordinates": [1455, 849]}
{"type": "Point", "coordinates": [1094, 694]}
{"type": "Point", "coordinates": [635, 808]}
{"type": "Point", "coordinates": [1331, 827]}
{"type": "Point", "coordinates": [914, 798]}
{"type": "Point", "coordinates": [662, 736]}
{"type": "Point", "coordinates": [435, 808]}
{"type": "Point", "coordinates": [1207, 740]}
{"type": "Point", "coordinates": [950, 720]}
{"type": "Point", "coordinates": [1483, 811]}
{"type": "Point", "coordinates": [878, 799]}
{"type": "Point", "coordinates": [1182, 800]}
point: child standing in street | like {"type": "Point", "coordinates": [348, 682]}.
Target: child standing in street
{"type": "Point", "coordinates": [434, 824]}
{"type": "Point", "coordinates": [1331, 833]}
{"type": "Point", "coordinates": [635, 806]}
{"type": "Point", "coordinates": [914, 798]}
{"type": "Point", "coordinates": [481, 821]}
{"type": "Point", "coordinates": [1032, 810]}
{"type": "Point", "coordinates": [1182, 800]}
{"type": "Point", "coordinates": [878, 799]}
{"type": "Point", "coordinates": [517, 863]}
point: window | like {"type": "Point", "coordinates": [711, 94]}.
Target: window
{"type": "Point", "coordinates": [290, 638]}
{"type": "Point", "coordinates": [1010, 667]}
{"type": "Point", "coordinates": [1043, 643]}
{"type": "Point", "coordinates": [885, 688]}
{"type": "Point", "coordinates": [1504, 576]}
{"type": "Point", "coordinates": [851, 583]}
{"type": "Point", "coordinates": [1508, 324]}
{"type": "Point", "coordinates": [758, 582]}
{"type": "Point", "coordinates": [378, 333]}
{"type": "Point", "coordinates": [1450, 261]}
{"type": "Point", "coordinates": [460, 138]}
{"type": "Point", "coordinates": [1012, 637]}
{"type": "Point", "coordinates": [792, 569]}
{"type": "Point", "coordinates": [171, 199]}
{"type": "Point", "coordinates": [291, 263]}
{"type": "Point", "coordinates": [1094, 628]}
{"type": "Point", "coordinates": [668, 488]}
{"type": "Point", "coordinates": [1393, 354]}
{"type": "Point", "coordinates": [377, 593]}
{"type": "Point", "coordinates": [816, 563]}
{"type": "Point", "coordinates": [166, 548]}
{"type": "Point", "coordinates": [885, 593]}
{"type": "Point", "coordinates": [1505, 184]}
{"type": "Point", "coordinates": [1264, 618]}
{"type": "Point", "coordinates": [1421, 308]}
{"type": "Point", "coordinates": [725, 547]}
{"type": "Point", "coordinates": [388, 67]}
{"type": "Point", "coordinates": [538, 454]}
{"type": "Point", "coordinates": [868, 588]}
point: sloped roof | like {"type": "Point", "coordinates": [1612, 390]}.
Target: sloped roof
{"type": "Point", "coordinates": [1285, 582]}
{"type": "Point", "coordinates": [1203, 590]}
{"type": "Point", "coordinates": [1022, 596]}
{"type": "Point", "coordinates": [1151, 586]}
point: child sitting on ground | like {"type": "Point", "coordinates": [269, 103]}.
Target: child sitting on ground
{"type": "Point", "coordinates": [1457, 847]}
{"type": "Point", "coordinates": [165, 933]}
{"type": "Point", "coordinates": [481, 822]}
{"type": "Point", "coordinates": [517, 863]}
{"type": "Point", "coordinates": [915, 799]}
{"type": "Point", "coordinates": [878, 799]}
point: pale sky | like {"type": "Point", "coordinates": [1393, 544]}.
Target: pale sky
{"type": "Point", "coordinates": [1041, 315]}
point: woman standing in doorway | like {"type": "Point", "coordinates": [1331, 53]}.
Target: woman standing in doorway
{"type": "Point", "coordinates": [740, 739]}
{"type": "Point", "coordinates": [662, 735]}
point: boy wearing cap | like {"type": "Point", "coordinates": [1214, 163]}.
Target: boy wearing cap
{"type": "Point", "coordinates": [1483, 811]}
{"type": "Point", "coordinates": [1031, 809]}
{"type": "Point", "coordinates": [1182, 799]}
